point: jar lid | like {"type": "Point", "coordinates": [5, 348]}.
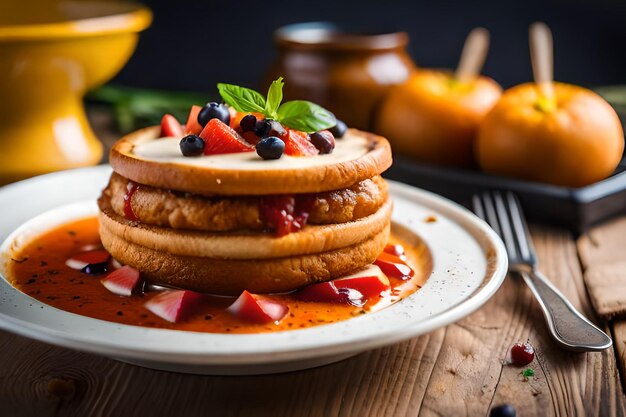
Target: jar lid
{"type": "Point", "coordinates": [328, 36]}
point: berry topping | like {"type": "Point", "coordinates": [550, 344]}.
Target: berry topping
{"type": "Point", "coordinates": [327, 292]}
{"type": "Point", "coordinates": [503, 410]}
{"type": "Point", "coordinates": [220, 138]}
{"type": "Point", "coordinates": [268, 127]}
{"type": "Point", "coordinates": [270, 148]}
{"type": "Point", "coordinates": [370, 282]}
{"type": "Point", "coordinates": [213, 111]}
{"type": "Point", "coordinates": [248, 123]}
{"type": "Point", "coordinates": [170, 126]}
{"type": "Point", "coordinates": [93, 257]}
{"type": "Point", "coordinates": [251, 307]}
{"type": "Point", "coordinates": [339, 130]}
{"type": "Point", "coordinates": [298, 144]}
{"type": "Point", "coordinates": [192, 126]}
{"type": "Point", "coordinates": [95, 269]}
{"type": "Point", "coordinates": [192, 145]}
{"type": "Point", "coordinates": [122, 281]}
{"type": "Point", "coordinates": [393, 266]}
{"type": "Point", "coordinates": [131, 189]}
{"type": "Point", "coordinates": [324, 141]}
{"type": "Point", "coordinates": [174, 305]}
{"type": "Point", "coordinates": [395, 250]}
{"type": "Point", "coordinates": [522, 354]}
{"type": "Point", "coordinates": [284, 214]}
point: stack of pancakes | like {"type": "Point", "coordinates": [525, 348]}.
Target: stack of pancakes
{"type": "Point", "coordinates": [194, 224]}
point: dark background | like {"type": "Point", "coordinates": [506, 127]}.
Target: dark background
{"type": "Point", "coordinates": [194, 44]}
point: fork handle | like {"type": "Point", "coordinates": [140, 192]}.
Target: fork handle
{"type": "Point", "coordinates": [567, 325]}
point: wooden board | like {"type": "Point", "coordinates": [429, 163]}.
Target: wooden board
{"type": "Point", "coordinates": [454, 371]}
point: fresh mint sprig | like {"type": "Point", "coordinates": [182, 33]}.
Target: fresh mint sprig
{"type": "Point", "coordinates": [298, 114]}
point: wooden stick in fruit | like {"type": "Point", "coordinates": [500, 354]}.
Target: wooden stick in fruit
{"type": "Point", "coordinates": [473, 55]}
{"type": "Point", "coordinates": [541, 56]}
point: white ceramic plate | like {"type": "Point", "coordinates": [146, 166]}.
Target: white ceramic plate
{"type": "Point", "coordinates": [469, 264]}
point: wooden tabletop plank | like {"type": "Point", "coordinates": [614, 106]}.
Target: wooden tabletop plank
{"type": "Point", "coordinates": [602, 253]}
{"type": "Point", "coordinates": [455, 371]}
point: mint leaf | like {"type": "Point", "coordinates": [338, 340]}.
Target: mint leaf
{"type": "Point", "coordinates": [241, 99]}
{"type": "Point", "coordinates": [305, 116]}
{"type": "Point", "coordinates": [274, 97]}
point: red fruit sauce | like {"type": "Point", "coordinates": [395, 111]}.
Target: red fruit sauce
{"type": "Point", "coordinates": [128, 204]}
{"type": "Point", "coordinates": [40, 272]}
{"type": "Point", "coordinates": [285, 214]}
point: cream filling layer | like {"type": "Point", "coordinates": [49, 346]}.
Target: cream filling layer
{"type": "Point", "coordinates": [348, 148]}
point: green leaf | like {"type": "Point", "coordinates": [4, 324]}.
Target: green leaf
{"type": "Point", "coordinates": [528, 372]}
{"type": "Point", "coordinates": [241, 99]}
{"type": "Point", "coordinates": [305, 116]}
{"type": "Point", "coordinates": [274, 97]}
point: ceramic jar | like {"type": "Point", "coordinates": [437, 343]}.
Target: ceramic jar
{"type": "Point", "coordinates": [347, 73]}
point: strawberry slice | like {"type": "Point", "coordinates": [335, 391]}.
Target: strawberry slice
{"type": "Point", "coordinates": [92, 257]}
{"type": "Point", "coordinates": [298, 144]}
{"type": "Point", "coordinates": [253, 308]}
{"type": "Point", "coordinates": [192, 127]}
{"type": "Point", "coordinates": [327, 292]}
{"type": "Point", "coordinates": [393, 266]}
{"type": "Point", "coordinates": [370, 282]}
{"type": "Point", "coordinates": [171, 127]}
{"type": "Point", "coordinates": [174, 305]}
{"type": "Point", "coordinates": [221, 138]}
{"type": "Point", "coordinates": [396, 250]}
{"type": "Point", "coordinates": [123, 281]}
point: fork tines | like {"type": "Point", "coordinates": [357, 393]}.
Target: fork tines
{"type": "Point", "coordinates": [503, 213]}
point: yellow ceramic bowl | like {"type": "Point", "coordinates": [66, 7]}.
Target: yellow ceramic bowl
{"type": "Point", "coordinates": [51, 53]}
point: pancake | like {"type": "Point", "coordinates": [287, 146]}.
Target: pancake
{"type": "Point", "coordinates": [309, 240]}
{"type": "Point", "coordinates": [144, 158]}
{"type": "Point", "coordinates": [231, 277]}
{"type": "Point", "coordinates": [217, 214]}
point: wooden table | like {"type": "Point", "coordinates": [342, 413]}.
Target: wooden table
{"type": "Point", "coordinates": [454, 371]}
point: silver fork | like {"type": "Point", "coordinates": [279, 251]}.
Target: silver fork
{"type": "Point", "coordinates": [569, 328]}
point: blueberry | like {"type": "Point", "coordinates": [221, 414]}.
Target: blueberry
{"type": "Point", "coordinates": [95, 269]}
{"type": "Point", "coordinates": [261, 128]}
{"type": "Point", "coordinates": [248, 122]}
{"type": "Point", "coordinates": [268, 127]}
{"type": "Point", "coordinates": [324, 141]}
{"type": "Point", "coordinates": [270, 147]}
{"type": "Point", "coordinates": [192, 145]}
{"type": "Point", "coordinates": [503, 410]}
{"type": "Point", "coordinates": [213, 111]}
{"type": "Point", "coordinates": [339, 130]}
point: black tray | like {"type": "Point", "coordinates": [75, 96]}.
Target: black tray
{"type": "Point", "coordinates": [573, 208]}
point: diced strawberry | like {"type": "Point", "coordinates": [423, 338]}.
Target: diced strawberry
{"type": "Point", "coordinates": [171, 127]}
{"type": "Point", "coordinates": [393, 266]}
{"type": "Point", "coordinates": [327, 292]}
{"type": "Point", "coordinates": [396, 250]}
{"type": "Point", "coordinates": [92, 257]}
{"type": "Point", "coordinates": [251, 137]}
{"type": "Point", "coordinates": [221, 138]}
{"type": "Point", "coordinates": [370, 281]}
{"type": "Point", "coordinates": [192, 127]}
{"type": "Point", "coordinates": [122, 281]}
{"type": "Point", "coordinates": [174, 305]}
{"type": "Point", "coordinates": [251, 307]}
{"type": "Point", "coordinates": [298, 144]}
